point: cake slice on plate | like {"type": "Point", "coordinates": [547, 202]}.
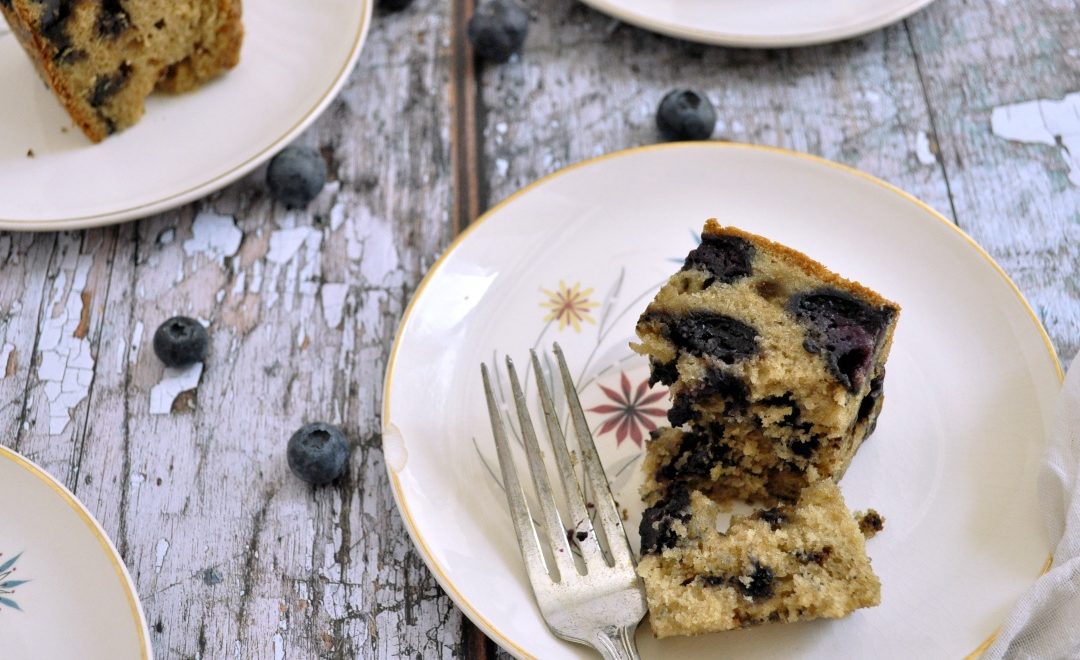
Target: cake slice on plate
{"type": "Point", "coordinates": [794, 562]}
{"type": "Point", "coordinates": [775, 366]}
{"type": "Point", "coordinates": [102, 58]}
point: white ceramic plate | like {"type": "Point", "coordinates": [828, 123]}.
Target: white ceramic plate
{"type": "Point", "coordinates": [64, 592]}
{"type": "Point", "coordinates": [952, 466]}
{"type": "Point", "coordinates": [760, 23]}
{"type": "Point", "coordinates": [295, 57]}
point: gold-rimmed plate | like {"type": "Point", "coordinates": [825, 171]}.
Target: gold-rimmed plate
{"type": "Point", "coordinates": [575, 258]}
{"type": "Point", "coordinates": [64, 591]}
{"type": "Point", "coordinates": [757, 24]}
{"type": "Point", "coordinates": [295, 57]}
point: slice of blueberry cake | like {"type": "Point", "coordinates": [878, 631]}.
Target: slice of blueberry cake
{"type": "Point", "coordinates": [794, 562]}
{"type": "Point", "coordinates": [775, 366]}
{"type": "Point", "coordinates": [102, 58]}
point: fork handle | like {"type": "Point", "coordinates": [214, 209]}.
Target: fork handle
{"type": "Point", "coordinates": [616, 643]}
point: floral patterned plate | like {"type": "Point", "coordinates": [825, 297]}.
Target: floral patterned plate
{"type": "Point", "coordinates": [64, 592]}
{"type": "Point", "coordinates": [575, 258]}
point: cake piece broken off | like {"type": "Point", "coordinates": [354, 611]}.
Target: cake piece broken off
{"type": "Point", "coordinates": [775, 366]}
{"type": "Point", "coordinates": [794, 562]}
{"type": "Point", "coordinates": [102, 58]}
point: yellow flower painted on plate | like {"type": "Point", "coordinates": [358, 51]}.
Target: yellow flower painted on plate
{"type": "Point", "coordinates": [569, 305]}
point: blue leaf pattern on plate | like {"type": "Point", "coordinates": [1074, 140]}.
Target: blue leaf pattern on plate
{"type": "Point", "coordinates": [7, 587]}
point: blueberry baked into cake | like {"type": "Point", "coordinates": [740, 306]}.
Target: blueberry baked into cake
{"type": "Point", "coordinates": [775, 367]}
{"type": "Point", "coordinates": [102, 58]}
{"type": "Point", "coordinates": [797, 561]}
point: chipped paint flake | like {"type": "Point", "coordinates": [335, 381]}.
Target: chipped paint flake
{"type": "Point", "coordinates": [279, 647]}
{"type": "Point", "coordinates": [337, 216]}
{"type": "Point", "coordinates": [285, 243]}
{"type": "Point", "coordinates": [66, 368]}
{"type": "Point", "coordinates": [173, 382]}
{"type": "Point", "coordinates": [333, 302]}
{"type": "Point", "coordinates": [160, 551]}
{"type": "Point", "coordinates": [213, 235]}
{"type": "Point", "coordinates": [922, 149]}
{"type": "Point", "coordinates": [1044, 121]}
{"type": "Point", "coordinates": [136, 342]}
{"type": "Point", "coordinates": [5, 355]}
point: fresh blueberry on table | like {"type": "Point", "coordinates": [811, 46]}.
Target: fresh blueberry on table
{"type": "Point", "coordinates": [181, 341]}
{"type": "Point", "coordinates": [497, 29]}
{"type": "Point", "coordinates": [394, 5]}
{"type": "Point", "coordinates": [685, 114]}
{"type": "Point", "coordinates": [318, 453]}
{"type": "Point", "coordinates": [296, 175]}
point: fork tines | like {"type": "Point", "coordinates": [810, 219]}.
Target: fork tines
{"type": "Point", "coordinates": [551, 527]}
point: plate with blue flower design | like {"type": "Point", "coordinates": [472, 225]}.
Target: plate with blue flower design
{"type": "Point", "coordinates": [576, 257]}
{"type": "Point", "coordinates": [64, 591]}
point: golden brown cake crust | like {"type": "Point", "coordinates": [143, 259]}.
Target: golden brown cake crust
{"type": "Point", "coordinates": [806, 264]}
{"type": "Point", "coordinates": [36, 48]}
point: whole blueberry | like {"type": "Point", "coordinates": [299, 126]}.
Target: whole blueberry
{"type": "Point", "coordinates": [318, 453]}
{"type": "Point", "coordinates": [181, 341]}
{"type": "Point", "coordinates": [394, 5]}
{"type": "Point", "coordinates": [296, 175]}
{"type": "Point", "coordinates": [497, 29]}
{"type": "Point", "coordinates": [685, 114]}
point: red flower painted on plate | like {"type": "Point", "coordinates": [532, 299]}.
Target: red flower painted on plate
{"type": "Point", "coordinates": [630, 411]}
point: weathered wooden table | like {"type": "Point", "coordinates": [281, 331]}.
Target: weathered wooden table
{"type": "Point", "coordinates": [235, 557]}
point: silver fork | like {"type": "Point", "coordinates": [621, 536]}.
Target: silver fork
{"type": "Point", "coordinates": [602, 606]}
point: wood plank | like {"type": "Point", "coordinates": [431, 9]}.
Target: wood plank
{"type": "Point", "coordinates": [858, 102]}
{"type": "Point", "coordinates": [1014, 198]}
{"type": "Point", "coordinates": [232, 555]}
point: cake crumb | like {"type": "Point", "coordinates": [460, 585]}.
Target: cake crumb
{"type": "Point", "coordinates": [870, 523]}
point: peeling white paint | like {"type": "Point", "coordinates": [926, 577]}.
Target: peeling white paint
{"type": "Point", "coordinates": [167, 236]}
{"type": "Point", "coordinates": [1044, 121]}
{"type": "Point", "coordinates": [501, 166]}
{"type": "Point", "coordinates": [238, 285]}
{"type": "Point", "coordinates": [285, 243]}
{"type": "Point", "coordinates": [337, 216]}
{"type": "Point", "coordinates": [136, 342]}
{"type": "Point", "coordinates": [173, 382]}
{"type": "Point", "coordinates": [5, 353]}
{"type": "Point", "coordinates": [67, 367]}
{"type": "Point", "coordinates": [219, 296]}
{"type": "Point", "coordinates": [301, 336]}
{"type": "Point", "coordinates": [279, 647]}
{"type": "Point", "coordinates": [160, 551]}
{"type": "Point", "coordinates": [256, 277]}
{"type": "Point", "coordinates": [121, 355]}
{"type": "Point", "coordinates": [216, 236]}
{"type": "Point", "coordinates": [333, 302]}
{"type": "Point", "coordinates": [922, 149]}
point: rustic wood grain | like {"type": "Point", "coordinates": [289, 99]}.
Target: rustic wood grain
{"type": "Point", "coordinates": [233, 557]}
{"type": "Point", "coordinates": [1014, 199]}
